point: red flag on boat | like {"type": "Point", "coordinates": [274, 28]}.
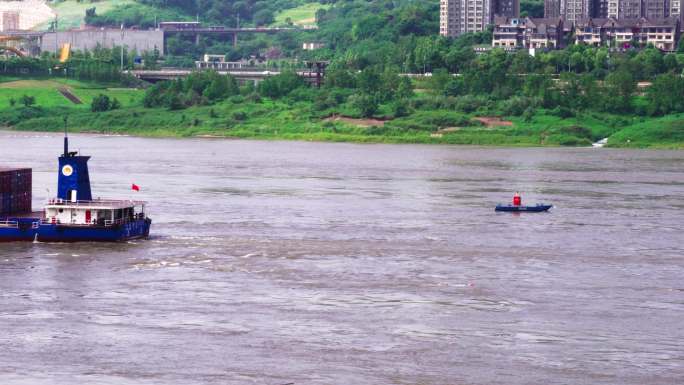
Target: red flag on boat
{"type": "Point", "coordinates": [135, 187]}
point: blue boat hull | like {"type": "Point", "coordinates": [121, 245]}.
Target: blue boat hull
{"type": "Point", "coordinates": [523, 209]}
{"type": "Point", "coordinates": [27, 232]}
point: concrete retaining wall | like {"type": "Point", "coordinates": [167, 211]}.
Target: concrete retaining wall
{"type": "Point", "coordinates": [107, 38]}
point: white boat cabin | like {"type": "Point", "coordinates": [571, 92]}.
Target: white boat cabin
{"type": "Point", "coordinates": [93, 213]}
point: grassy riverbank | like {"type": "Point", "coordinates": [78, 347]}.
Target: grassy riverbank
{"type": "Point", "coordinates": [242, 117]}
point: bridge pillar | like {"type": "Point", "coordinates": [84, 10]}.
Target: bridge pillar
{"type": "Point", "coordinates": [235, 39]}
{"type": "Point", "coordinates": [197, 39]}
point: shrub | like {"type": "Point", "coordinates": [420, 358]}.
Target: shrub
{"type": "Point", "coordinates": [239, 116]}
{"type": "Point", "coordinates": [116, 104]}
{"type": "Point", "coordinates": [101, 103]}
{"type": "Point", "coordinates": [562, 112]}
{"type": "Point", "coordinates": [400, 108]}
{"type": "Point", "coordinates": [470, 103]}
{"type": "Point", "coordinates": [28, 101]}
{"type": "Point", "coordinates": [281, 85]}
{"type": "Point", "coordinates": [366, 104]}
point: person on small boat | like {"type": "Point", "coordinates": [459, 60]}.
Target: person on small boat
{"type": "Point", "coordinates": [517, 199]}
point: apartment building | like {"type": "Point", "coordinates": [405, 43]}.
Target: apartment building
{"type": "Point", "coordinates": [655, 9]}
{"type": "Point", "coordinates": [509, 33]}
{"type": "Point", "coordinates": [463, 16]}
{"type": "Point", "coordinates": [661, 33]}
{"type": "Point", "coordinates": [675, 9]}
{"type": "Point", "coordinates": [531, 33]}
{"type": "Point", "coordinates": [574, 10]}
{"type": "Point", "coordinates": [552, 8]}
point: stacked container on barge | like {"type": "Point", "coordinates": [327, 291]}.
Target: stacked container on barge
{"type": "Point", "coordinates": [15, 191]}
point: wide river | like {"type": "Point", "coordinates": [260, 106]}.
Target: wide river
{"type": "Point", "coordinates": [315, 263]}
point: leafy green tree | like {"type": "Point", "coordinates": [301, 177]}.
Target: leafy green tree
{"type": "Point", "coordinates": [101, 103]}
{"type": "Point", "coordinates": [281, 85]}
{"type": "Point", "coordinates": [620, 85]}
{"type": "Point", "coordinates": [680, 45]}
{"type": "Point", "coordinates": [670, 62]}
{"type": "Point", "coordinates": [666, 95]}
{"type": "Point", "coordinates": [369, 81]}
{"type": "Point", "coordinates": [439, 80]}
{"type": "Point", "coordinates": [220, 88]}
{"type": "Point", "coordinates": [263, 17]}
{"type": "Point", "coordinates": [405, 88]}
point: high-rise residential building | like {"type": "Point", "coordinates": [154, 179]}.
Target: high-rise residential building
{"type": "Point", "coordinates": [571, 10]}
{"type": "Point", "coordinates": [655, 9]}
{"type": "Point", "coordinates": [552, 8]}
{"type": "Point", "coordinates": [507, 8]}
{"type": "Point", "coordinates": [600, 9]}
{"type": "Point", "coordinates": [447, 18]}
{"type": "Point", "coordinates": [574, 10]}
{"type": "Point", "coordinates": [462, 16]}
{"type": "Point", "coordinates": [624, 9]}
{"type": "Point", "coordinates": [675, 9]}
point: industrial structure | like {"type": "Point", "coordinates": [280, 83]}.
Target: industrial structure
{"type": "Point", "coordinates": [33, 43]}
{"type": "Point", "coordinates": [88, 39]}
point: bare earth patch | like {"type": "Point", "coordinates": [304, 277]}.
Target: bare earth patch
{"type": "Point", "coordinates": [31, 84]}
{"type": "Point", "coordinates": [356, 122]}
{"type": "Point", "coordinates": [69, 95]}
{"type": "Point", "coordinates": [491, 121]}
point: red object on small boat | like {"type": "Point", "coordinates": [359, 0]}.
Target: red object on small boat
{"type": "Point", "coordinates": [517, 200]}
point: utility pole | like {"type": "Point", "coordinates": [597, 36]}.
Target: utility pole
{"type": "Point", "coordinates": [122, 47]}
{"type": "Point", "coordinates": [56, 42]}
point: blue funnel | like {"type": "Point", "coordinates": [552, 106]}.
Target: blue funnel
{"type": "Point", "coordinates": [74, 180]}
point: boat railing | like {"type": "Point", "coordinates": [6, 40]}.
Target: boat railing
{"type": "Point", "coordinates": [65, 202]}
{"type": "Point", "coordinates": [94, 223]}
{"type": "Point", "coordinates": [9, 224]}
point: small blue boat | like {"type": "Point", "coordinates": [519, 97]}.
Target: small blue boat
{"type": "Point", "coordinates": [74, 216]}
{"type": "Point", "coordinates": [523, 209]}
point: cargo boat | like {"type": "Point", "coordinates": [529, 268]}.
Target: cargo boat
{"type": "Point", "coordinates": [73, 216]}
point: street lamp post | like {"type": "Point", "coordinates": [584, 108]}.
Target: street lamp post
{"type": "Point", "coordinates": [122, 48]}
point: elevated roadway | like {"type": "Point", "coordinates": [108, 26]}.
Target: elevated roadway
{"type": "Point", "coordinates": [254, 75]}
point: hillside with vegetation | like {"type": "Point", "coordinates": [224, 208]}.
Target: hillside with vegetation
{"type": "Point", "coordinates": [570, 97]}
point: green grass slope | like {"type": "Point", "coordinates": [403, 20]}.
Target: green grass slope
{"type": "Point", "coordinates": [46, 92]}
{"type": "Point", "coordinates": [70, 13]}
{"type": "Point", "coordinates": [300, 16]}
{"type": "Point", "coordinates": [665, 132]}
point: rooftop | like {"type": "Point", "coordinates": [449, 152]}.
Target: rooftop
{"type": "Point", "coordinates": [8, 169]}
{"type": "Point", "coordinates": [99, 204]}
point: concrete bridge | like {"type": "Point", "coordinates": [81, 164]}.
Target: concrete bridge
{"type": "Point", "coordinates": [243, 76]}
{"type": "Point", "coordinates": [196, 30]}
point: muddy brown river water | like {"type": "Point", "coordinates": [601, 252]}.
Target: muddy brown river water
{"type": "Point", "coordinates": [315, 263]}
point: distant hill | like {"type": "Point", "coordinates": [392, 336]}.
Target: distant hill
{"type": "Point", "coordinates": [144, 13]}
